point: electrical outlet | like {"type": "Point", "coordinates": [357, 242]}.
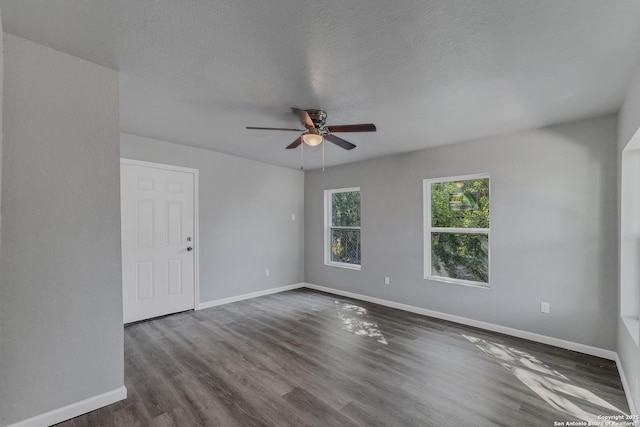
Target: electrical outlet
{"type": "Point", "coordinates": [545, 308]}
{"type": "Point", "coordinates": [266, 273]}
{"type": "Point", "coordinates": [387, 281]}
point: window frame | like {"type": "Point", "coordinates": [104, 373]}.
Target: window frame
{"type": "Point", "coordinates": [328, 227]}
{"type": "Point", "coordinates": [428, 229]}
{"type": "Point", "coordinates": [629, 303]}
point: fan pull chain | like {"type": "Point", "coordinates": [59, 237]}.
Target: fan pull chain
{"type": "Point", "coordinates": [302, 156]}
{"type": "Point", "coordinates": [323, 156]}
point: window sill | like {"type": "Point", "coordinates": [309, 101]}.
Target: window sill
{"type": "Point", "coordinates": [343, 265]}
{"type": "Point", "coordinates": [633, 326]}
{"type": "Point", "coordinates": [459, 282]}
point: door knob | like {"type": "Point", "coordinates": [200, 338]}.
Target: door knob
{"type": "Point", "coordinates": [189, 248]}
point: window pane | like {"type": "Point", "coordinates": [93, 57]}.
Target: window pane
{"type": "Point", "coordinates": [460, 256]}
{"type": "Point", "coordinates": [460, 204]}
{"type": "Point", "coordinates": [345, 246]}
{"type": "Point", "coordinates": [345, 209]}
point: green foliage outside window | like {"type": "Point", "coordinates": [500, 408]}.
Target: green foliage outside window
{"type": "Point", "coordinates": [345, 246]}
{"type": "Point", "coordinates": [471, 212]}
{"type": "Point", "coordinates": [460, 204]}
{"type": "Point", "coordinates": [345, 209]}
{"type": "Point", "coordinates": [345, 212]}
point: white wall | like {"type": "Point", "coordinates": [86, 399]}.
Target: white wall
{"type": "Point", "coordinates": [245, 217]}
{"type": "Point", "coordinates": [60, 269]}
{"type": "Point", "coordinates": [553, 230]}
{"type": "Point", "coordinates": [628, 349]}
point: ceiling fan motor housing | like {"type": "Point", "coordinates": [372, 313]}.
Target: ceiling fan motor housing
{"type": "Point", "coordinates": [318, 117]}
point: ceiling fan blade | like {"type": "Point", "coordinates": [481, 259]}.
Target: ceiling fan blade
{"type": "Point", "coordinates": [339, 142]}
{"type": "Point", "coordinates": [295, 143]}
{"type": "Point", "coordinates": [364, 127]}
{"type": "Point", "coordinates": [260, 128]}
{"type": "Point", "coordinates": [304, 117]}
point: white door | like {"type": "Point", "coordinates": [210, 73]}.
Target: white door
{"type": "Point", "coordinates": [158, 224]}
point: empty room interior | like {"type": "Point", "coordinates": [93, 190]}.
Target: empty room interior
{"type": "Point", "coordinates": [318, 213]}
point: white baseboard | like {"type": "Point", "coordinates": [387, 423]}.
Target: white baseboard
{"type": "Point", "coordinates": [75, 409]}
{"type": "Point", "coordinates": [627, 387]}
{"type": "Point", "coordinates": [569, 345]}
{"type": "Point", "coordinates": [248, 296]}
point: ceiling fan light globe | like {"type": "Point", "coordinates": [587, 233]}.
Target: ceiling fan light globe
{"type": "Point", "coordinates": [312, 139]}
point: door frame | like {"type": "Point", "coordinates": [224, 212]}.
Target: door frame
{"type": "Point", "coordinates": [196, 206]}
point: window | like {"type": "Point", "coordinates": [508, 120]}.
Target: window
{"type": "Point", "coordinates": [630, 238]}
{"type": "Point", "coordinates": [342, 228]}
{"type": "Point", "coordinates": [456, 236]}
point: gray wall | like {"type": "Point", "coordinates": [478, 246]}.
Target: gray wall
{"type": "Point", "coordinates": [628, 351]}
{"type": "Point", "coordinates": [1, 135]}
{"type": "Point", "coordinates": [553, 230]}
{"type": "Point", "coordinates": [60, 270]}
{"type": "Point", "coordinates": [245, 217]}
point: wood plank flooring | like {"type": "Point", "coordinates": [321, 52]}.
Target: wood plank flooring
{"type": "Point", "coordinates": [305, 358]}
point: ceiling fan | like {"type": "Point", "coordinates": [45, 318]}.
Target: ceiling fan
{"type": "Point", "coordinates": [316, 130]}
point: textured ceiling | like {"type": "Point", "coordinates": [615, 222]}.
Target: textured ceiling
{"type": "Point", "coordinates": [427, 73]}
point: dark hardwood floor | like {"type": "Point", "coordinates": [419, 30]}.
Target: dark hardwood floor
{"type": "Point", "coordinates": [305, 358]}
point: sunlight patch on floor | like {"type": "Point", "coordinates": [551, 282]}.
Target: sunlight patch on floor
{"type": "Point", "coordinates": [355, 319]}
{"type": "Point", "coordinates": [553, 387]}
